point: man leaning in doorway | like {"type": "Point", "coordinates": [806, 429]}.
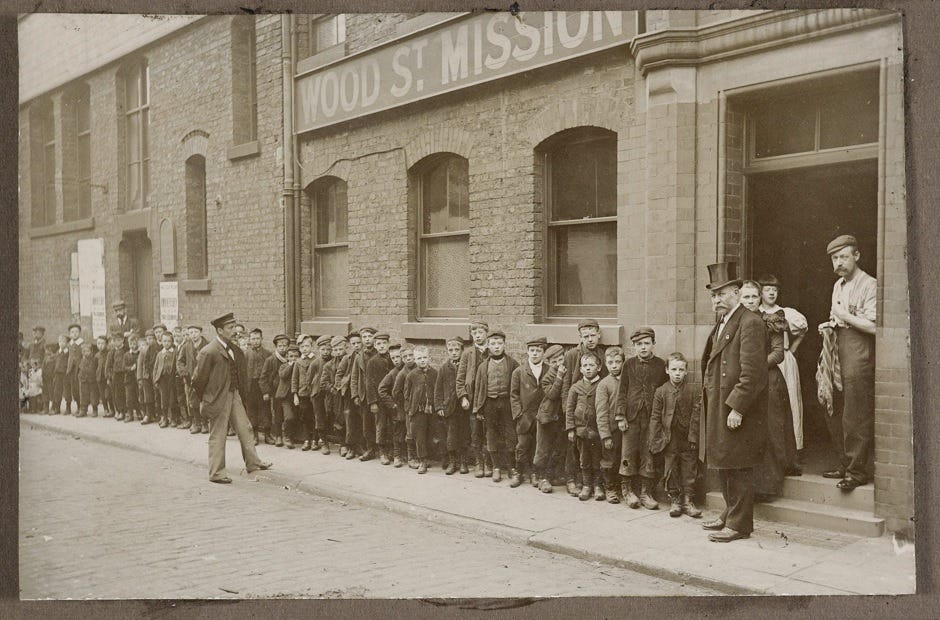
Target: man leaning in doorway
{"type": "Point", "coordinates": [853, 313]}
{"type": "Point", "coordinates": [220, 382]}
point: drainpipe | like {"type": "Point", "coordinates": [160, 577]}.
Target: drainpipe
{"type": "Point", "coordinates": [287, 189]}
{"type": "Point", "coordinates": [295, 162]}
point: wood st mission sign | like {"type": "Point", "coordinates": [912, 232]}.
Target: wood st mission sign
{"type": "Point", "coordinates": [459, 52]}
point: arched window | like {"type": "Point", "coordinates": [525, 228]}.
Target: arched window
{"type": "Point", "coordinates": [137, 135]}
{"type": "Point", "coordinates": [330, 247]}
{"type": "Point", "coordinates": [244, 82]}
{"type": "Point", "coordinates": [197, 250]}
{"type": "Point", "coordinates": [77, 120]}
{"type": "Point", "coordinates": [443, 236]}
{"type": "Point", "coordinates": [42, 163]}
{"type": "Point", "coordinates": [580, 190]}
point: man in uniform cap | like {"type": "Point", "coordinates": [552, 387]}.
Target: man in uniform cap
{"type": "Point", "coordinates": [221, 384]}
{"type": "Point", "coordinates": [852, 316]}
{"type": "Point", "coordinates": [735, 382]}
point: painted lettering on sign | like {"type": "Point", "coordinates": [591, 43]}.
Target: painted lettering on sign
{"type": "Point", "coordinates": [457, 54]}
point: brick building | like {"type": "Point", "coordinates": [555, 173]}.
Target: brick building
{"type": "Point", "coordinates": [410, 171]}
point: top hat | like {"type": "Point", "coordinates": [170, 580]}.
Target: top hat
{"type": "Point", "coordinates": [721, 275]}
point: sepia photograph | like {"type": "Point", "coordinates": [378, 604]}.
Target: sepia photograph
{"type": "Point", "coordinates": [497, 304]}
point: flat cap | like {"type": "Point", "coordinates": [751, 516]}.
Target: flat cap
{"type": "Point", "coordinates": [589, 323]}
{"type": "Point", "coordinates": [642, 332]}
{"type": "Point", "coordinates": [194, 326]}
{"type": "Point", "coordinates": [73, 325]}
{"type": "Point", "coordinates": [118, 304]}
{"type": "Point", "coordinates": [840, 242]}
{"type": "Point", "coordinates": [225, 319]}
{"type": "Point", "coordinates": [323, 341]}
{"type": "Point", "coordinates": [552, 351]}
{"type": "Point", "coordinates": [337, 340]}
{"type": "Point", "coordinates": [163, 327]}
{"type": "Point", "coordinates": [483, 324]}
{"type": "Point", "coordinates": [538, 341]}
{"type": "Point", "coordinates": [293, 348]}
{"type": "Point", "coordinates": [456, 339]}
{"type": "Point", "coordinates": [381, 336]}
{"type": "Point", "coordinates": [365, 329]}
{"type": "Point", "coordinates": [394, 345]}
{"type": "Point", "coordinates": [149, 332]}
{"type": "Point", "coordinates": [279, 337]}
{"type": "Point", "coordinates": [39, 328]}
{"type": "Point", "coordinates": [496, 333]}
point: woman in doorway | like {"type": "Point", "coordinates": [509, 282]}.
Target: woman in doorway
{"type": "Point", "coordinates": [781, 447]}
{"type": "Point", "coordinates": [792, 337]}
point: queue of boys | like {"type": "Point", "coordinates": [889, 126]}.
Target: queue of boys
{"type": "Point", "coordinates": [603, 423]}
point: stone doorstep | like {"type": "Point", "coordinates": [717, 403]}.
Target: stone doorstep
{"type": "Point", "coordinates": [552, 539]}
{"type": "Point", "coordinates": [823, 491]}
{"type": "Point", "coordinates": [810, 514]}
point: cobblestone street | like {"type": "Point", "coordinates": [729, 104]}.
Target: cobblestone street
{"type": "Point", "coordinates": [98, 521]}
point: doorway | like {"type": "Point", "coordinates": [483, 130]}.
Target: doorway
{"type": "Point", "coordinates": [138, 286]}
{"type": "Point", "coordinates": [792, 215]}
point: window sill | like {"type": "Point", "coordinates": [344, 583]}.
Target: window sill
{"type": "Point", "coordinates": [62, 228]}
{"type": "Point", "coordinates": [434, 330]}
{"type": "Point", "coordinates": [323, 57]}
{"type": "Point", "coordinates": [247, 149]}
{"type": "Point", "coordinates": [567, 333]}
{"type": "Point", "coordinates": [326, 327]}
{"type": "Point", "coordinates": [196, 286]}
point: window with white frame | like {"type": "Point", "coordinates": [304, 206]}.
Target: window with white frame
{"type": "Point", "coordinates": [330, 247]}
{"type": "Point", "coordinates": [326, 31]}
{"type": "Point", "coordinates": [137, 136]}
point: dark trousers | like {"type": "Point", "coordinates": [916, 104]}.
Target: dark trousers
{"type": "Point", "coordinates": [525, 448]}
{"type": "Point", "coordinates": [572, 461]}
{"type": "Point", "coordinates": [88, 395]}
{"type": "Point", "coordinates": [383, 430]}
{"type": "Point", "coordinates": [353, 425]}
{"type": "Point", "coordinates": [287, 428]}
{"type": "Point", "coordinates": [610, 459]}
{"type": "Point", "coordinates": [550, 448]}
{"type": "Point", "coordinates": [421, 433]}
{"type": "Point", "coordinates": [589, 451]}
{"type": "Point", "coordinates": [680, 464]}
{"type": "Point", "coordinates": [131, 402]}
{"type": "Point", "coordinates": [117, 393]}
{"type": "Point", "coordinates": [500, 431]}
{"type": "Point", "coordinates": [737, 488]}
{"type": "Point", "coordinates": [182, 402]}
{"type": "Point", "coordinates": [58, 390]}
{"type": "Point", "coordinates": [398, 437]}
{"type": "Point", "coordinates": [367, 421]}
{"type": "Point", "coordinates": [195, 406]}
{"type": "Point", "coordinates": [478, 441]}
{"type": "Point", "coordinates": [167, 391]}
{"type": "Point", "coordinates": [71, 390]}
{"type": "Point", "coordinates": [255, 406]}
{"type": "Point", "coordinates": [852, 427]}
{"type": "Point", "coordinates": [458, 432]}
{"type": "Point", "coordinates": [320, 416]}
{"type": "Point", "coordinates": [277, 416]}
{"type": "Point", "coordinates": [104, 395]}
{"type": "Point", "coordinates": [636, 457]}
{"type": "Point", "coordinates": [307, 418]}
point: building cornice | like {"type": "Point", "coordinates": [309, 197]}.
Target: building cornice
{"type": "Point", "coordinates": [678, 47]}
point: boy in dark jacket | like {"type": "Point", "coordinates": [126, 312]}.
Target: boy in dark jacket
{"type": "Point", "coordinates": [268, 383]}
{"type": "Point", "coordinates": [285, 430]}
{"type": "Point", "coordinates": [525, 398]}
{"type": "Point", "coordinates": [48, 378]}
{"type": "Point", "coordinates": [390, 440]}
{"type": "Point", "coordinates": [466, 375]}
{"type": "Point", "coordinates": [300, 391]}
{"type": "Point", "coordinates": [403, 431]}
{"type": "Point", "coordinates": [608, 423]}
{"type": "Point", "coordinates": [71, 390]}
{"type": "Point", "coordinates": [145, 394]}
{"type": "Point", "coordinates": [61, 376]}
{"type": "Point", "coordinates": [101, 357]}
{"type": "Point", "coordinates": [321, 420]}
{"type": "Point", "coordinates": [419, 403]}
{"type": "Point", "coordinates": [114, 375]}
{"type": "Point", "coordinates": [377, 367]}
{"type": "Point", "coordinates": [257, 408]}
{"type": "Point", "coordinates": [331, 401]}
{"type": "Point", "coordinates": [457, 424]}
{"type": "Point", "coordinates": [88, 381]}
{"type": "Point", "coordinates": [491, 403]}
{"type": "Point", "coordinates": [352, 420]}
{"type": "Point", "coordinates": [674, 427]}
{"type": "Point", "coordinates": [641, 375]}
{"type": "Point", "coordinates": [131, 397]}
{"type": "Point", "coordinates": [581, 424]}
{"type": "Point", "coordinates": [550, 440]}
{"type": "Point", "coordinates": [164, 378]}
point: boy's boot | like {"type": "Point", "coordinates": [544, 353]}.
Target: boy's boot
{"type": "Point", "coordinates": [646, 495]}
{"type": "Point", "coordinates": [343, 450]}
{"type": "Point", "coordinates": [627, 488]}
{"type": "Point", "coordinates": [306, 446]}
{"type": "Point", "coordinates": [613, 493]}
{"type": "Point", "coordinates": [412, 461]}
{"type": "Point", "coordinates": [396, 455]}
{"type": "Point", "coordinates": [268, 439]}
{"type": "Point", "coordinates": [534, 479]}
{"type": "Point", "coordinates": [573, 487]}
{"type": "Point", "coordinates": [674, 508]}
{"type": "Point", "coordinates": [462, 461]}
{"type": "Point", "coordinates": [288, 441]}
{"type": "Point", "coordinates": [479, 471]}
{"type": "Point", "coordinates": [586, 489]}
{"type": "Point", "coordinates": [325, 448]}
{"type": "Point", "coordinates": [689, 508]}
{"type": "Point", "coordinates": [385, 460]}
{"type": "Point", "coordinates": [452, 463]}
{"type": "Point", "coordinates": [545, 485]}
{"type": "Point", "coordinates": [423, 466]}
{"type": "Point", "coordinates": [497, 472]}
{"type": "Point", "coordinates": [350, 453]}
{"type": "Point", "coordinates": [515, 478]}
{"type": "Point", "coordinates": [279, 442]}
{"type": "Point", "coordinates": [194, 429]}
{"type": "Point", "coordinates": [599, 493]}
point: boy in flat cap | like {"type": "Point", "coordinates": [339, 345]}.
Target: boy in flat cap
{"type": "Point", "coordinates": [641, 375]}
{"type": "Point", "coordinates": [581, 424]}
{"type": "Point", "coordinates": [377, 367]}
{"type": "Point", "coordinates": [255, 357]}
{"type": "Point", "coordinates": [491, 402]}
{"type": "Point", "coordinates": [147, 351]}
{"type": "Point", "coordinates": [185, 366]}
{"type": "Point", "coordinates": [61, 375]}
{"type": "Point", "coordinates": [88, 380]}
{"type": "Point", "coordinates": [131, 392]}
{"type": "Point", "coordinates": [419, 403]}
{"type": "Point", "coordinates": [332, 402]}
{"type": "Point", "coordinates": [320, 418]}
{"type": "Point", "coordinates": [49, 380]}
{"type": "Point", "coordinates": [163, 371]}
{"type": "Point", "coordinates": [550, 437]}
{"type": "Point", "coordinates": [221, 383]}
{"type": "Point", "coordinates": [114, 375]}
{"type": "Point", "coordinates": [351, 417]}
{"type": "Point", "coordinates": [268, 383]}
{"type": "Point", "coordinates": [525, 398]}
{"type": "Point", "coordinates": [389, 441]}
{"type": "Point", "coordinates": [286, 430]}
{"type": "Point", "coordinates": [457, 424]}
{"type": "Point", "coordinates": [466, 375]}
{"type": "Point", "coordinates": [300, 390]}
{"type": "Point", "coordinates": [357, 390]}
{"type": "Point", "coordinates": [589, 332]}
{"type": "Point", "coordinates": [608, 424]}
{"type": "Point", "coordinates": [403, 435]}
{"type": "Point", "coordinates": [102, 355]}
{"type": "Point", "coordinates": [72, 390]}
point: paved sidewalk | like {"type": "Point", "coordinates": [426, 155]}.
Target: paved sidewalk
{"type": "Point", "coordinates": [777, 559]}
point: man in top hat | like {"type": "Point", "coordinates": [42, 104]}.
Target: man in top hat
{"type": "Point", "coordinates": [124, 323]}
{"type": "Point", "coordinates": [852, 316]}
{"type": "Point", "coordinates": [735, 384]}
{"type": "Point", "coordinates": [221, 385]}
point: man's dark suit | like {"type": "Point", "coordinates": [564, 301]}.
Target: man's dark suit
{"type": "Point", "coordinates": [222, 393]}
{"type": "Point", "coordinates": [735, 377]}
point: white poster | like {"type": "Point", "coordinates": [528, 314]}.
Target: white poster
{"type": "Point", "coordinates": [73, 284]}
{"type": "Point", "coordinates": [169, 304]}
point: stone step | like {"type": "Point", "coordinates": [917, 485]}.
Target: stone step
{"type": "Point", "coordinates": [815, 489]}
{"type": "Point", "coordinates": [809, 514]}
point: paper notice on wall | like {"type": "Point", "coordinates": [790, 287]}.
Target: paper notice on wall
{"type": "Point", "coordinates": [73, 284]}
{"type": "Point", "coordinates": [91, 284]}
{"type": "Point", "coordinates": [169, 304]}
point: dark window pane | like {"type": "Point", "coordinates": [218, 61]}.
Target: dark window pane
{"type": "Point", "coordinates": [84, 156]}
{"type": "Point", "coordinates": [586, 264]}
{"type": "Point", "coordinates": [584, 180]}
{"type": "Point", "coordinates": [434, 200]}
{"type": "Point", "coordinates": [458, 195]}
{"type": "Point", "coordinates": [331, 211]}
{"type": "Point", "coordinates": [445, 273]}
{"type": "Point", "coordinates": [324, 33]}
{"type": "Point", "coordinates": [145, 86]}
{"type": "Point", "coordinates": [445, 202]}
{"type": "Point", "coordinates": [132, 90]}
{"type": "Point", "coordinates": [848, 117]}
{"type": "Point", "coordinates": [785, 126]}
{"type": "Point", "coordinates": [331, 288]}
{"type": "Point", "coordinates": [145, 134]}
{"type": "Point", "coordinates": [133, 185]}
{"type": "Point", "coordinates": [133, 138]}
{"type": "Point", "coordinates": [84, 200]}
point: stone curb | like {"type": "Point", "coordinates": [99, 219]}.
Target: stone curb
{"type": "Point", "coordinates": [502, 532]}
